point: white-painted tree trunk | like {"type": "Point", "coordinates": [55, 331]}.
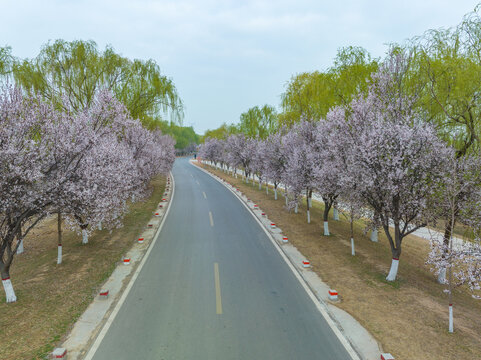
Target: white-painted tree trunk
{"type": "Point", "coordinates": [59, 254]}
{"type": "Point", "coordinates": [275, 194]}
{"type": "Point", "coordinates": [100, 225]}
{"type": "Point", "coordinates": [286, 200]}
{"type": "Point", "coordinates": [374, 235]}
{"type": "Point", "coordinates": [335, 214]}
{"type": "Point", "coordinates": [260, 185]}
{"type": "Point", "coordinates": [308, 216]}
{"type": "Point", "coordinates": [267, 189]}
{"type": "Point", "coordinates": [85, 237]}
{"type": "Point", "coordinates": [309, 201]}
{"type": "Point", "coordinates": [297, 209]}
{"type": "Point", "coordinates": [20, 248]}
{"type": "Point", "coordinates": [326, 228]}
{"type": "Point", "coordinates": [9, 292]}
{"type": "Point", "coordinates": [353, 250]}
{"type": "Point", "coordinates": [393, 271]}
{"type": "Point", "coordinates": [442, 276]}
{"type": "Point", "coordinates": [451, 321]}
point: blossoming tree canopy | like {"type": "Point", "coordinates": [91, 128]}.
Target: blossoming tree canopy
{"type": "Point", "coordinates": [84, 164]}
{"type": "Point", "coordinates": [394, 157]}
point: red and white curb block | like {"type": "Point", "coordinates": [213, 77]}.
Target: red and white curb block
{"type": "Point", "coordinates": [150, 225]}
{"type": "Point", "coordinates": [157, 214]}
{"type": "Point", "coordinates": [387, 356]}
{"type": "Point", "coordinates": [306, 263]}
{"type": "Point", "coordinates": [59, 353]}
{"type": "Point", "coordinates": [273, 226]}
{"type": "Point", "coordinates": [285, 239]}
{"type": "Point", "coordinates": [256, 207]}
{"type": "Point", "coordinates": [333, 295]}
{"type": "Point", "coordinates": [263, 214]}
{"type": "Point", "coordinates": [126, 261]}
{"type": "Point", "coordinates": [140, 240]}
{"type": "Point", "coordinates": [104, 294]}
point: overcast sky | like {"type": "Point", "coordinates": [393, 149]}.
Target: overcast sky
{"type": "Point", "coordinates": [226, 56]}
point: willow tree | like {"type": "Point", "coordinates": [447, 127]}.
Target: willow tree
{"type": "Point", "coordinates": [450, 62]}
{"type": "Point", "coordinates": [6, 60]}
{"type": "Point", "coordinates": [312, 94]}
{"type": "Point", "coordinates": [76, 70]}
{"type": "Point", "coordinates": [258, 122]}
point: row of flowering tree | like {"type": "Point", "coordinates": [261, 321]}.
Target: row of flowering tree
{"type": "Point", "coordinates": [377, 158]}
{"type": "Point", "coordinates": [84, 165]}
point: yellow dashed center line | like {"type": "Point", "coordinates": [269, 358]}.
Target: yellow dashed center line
{"type": "Point", "coordinates": [218, 299]}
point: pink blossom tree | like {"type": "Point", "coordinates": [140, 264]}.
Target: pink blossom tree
{"type": "Point", "coordinates": [459, 199]}
{"type": "Point", "coordinates": [299, 175]}
{"type": "Point", "coordinates": [258, 163]}
{"type": "Point", "coordinates": [82, 164]}
{"type": "Point", "coordinates": [274, 159]}
{"type": "Point", "coordinates": [240, 152]}
{"type": "Point", "coordinates": [40, 152]}
{"type": "Point", "coordinates": [212, 150]}
{"type": "Point", "coordinates": [328, 167]}
{"type": "Point", "coordinates": [394, 157]}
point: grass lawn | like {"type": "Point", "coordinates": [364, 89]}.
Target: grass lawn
{"type": "Point", "coordinates": [409, 317]}
{"type": "Point", "coordinates": [50, 296]}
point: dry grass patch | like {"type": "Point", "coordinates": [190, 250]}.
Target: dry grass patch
{"type": "Point", "coordinates": [50, 296]}
{"type": "Point", "coordinates": [409, 317]}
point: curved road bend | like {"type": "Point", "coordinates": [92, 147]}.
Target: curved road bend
{"type": "Point", "coordinates": [214, 287]}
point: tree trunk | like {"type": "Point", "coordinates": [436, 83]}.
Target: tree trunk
{"type": "Point", "coordinates": [59, 232]}
{"type": "Point", "coordinates": [20, 248]}
{"type": "Point", "coordinates": [7, 285]}
{"type": "Point", "coordinates": [353, 251]}
{"type": "Point", "coordinates": [85, 236]}
{"type": "Point", "coordinates": [327, 207]}
{"type": "Point", "coordinates": [19, 238]}
{"type": "Point", "coordinates": [326, 228]}
{"type": "Point", "coordinates": [395, 245]}
{"type": "Point", "coordinates": [335, 214]}
{"type": "Point", "coordinates": [100, 225]}
{"type": "Point", "coordinates": [275, 193]}
{"type": "Point", "coordinates": [447, 236]}
{"type": "Point", "coordinates": [451, 320]}
{"type": "Point", "coordinates": [374, 235]}
{"type": "Point", "coordinates": [393, 271]}
{"type": "Point", "coordinates": [260, 184]}
{"type": "Point", "coordinates": [297, 208]}
{"type": "Point", "coordinates": [308, 195]}
{"type": "Point", "coordinates": [267, 188]}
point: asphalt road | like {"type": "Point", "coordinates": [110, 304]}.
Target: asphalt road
{"type": "Point", "coordinates": [214, 287]}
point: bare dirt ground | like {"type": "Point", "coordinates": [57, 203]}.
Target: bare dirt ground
{"type": "Point", "coordinates": [50, 296]}
{"type": "Point", "coordinates": [408, 317]}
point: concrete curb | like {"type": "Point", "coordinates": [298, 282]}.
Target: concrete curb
{"type": "Point", "coordinates": [358, 342]}
{"type": "Point", "coordinates": [90, 328]}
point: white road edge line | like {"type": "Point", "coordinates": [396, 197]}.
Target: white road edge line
{"type": "Point", "coordinates": [211, 219]}
{"type": "Point", "coordinates": [347, 345]}
{"type": "Point", "coordinates": [93, 349]}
